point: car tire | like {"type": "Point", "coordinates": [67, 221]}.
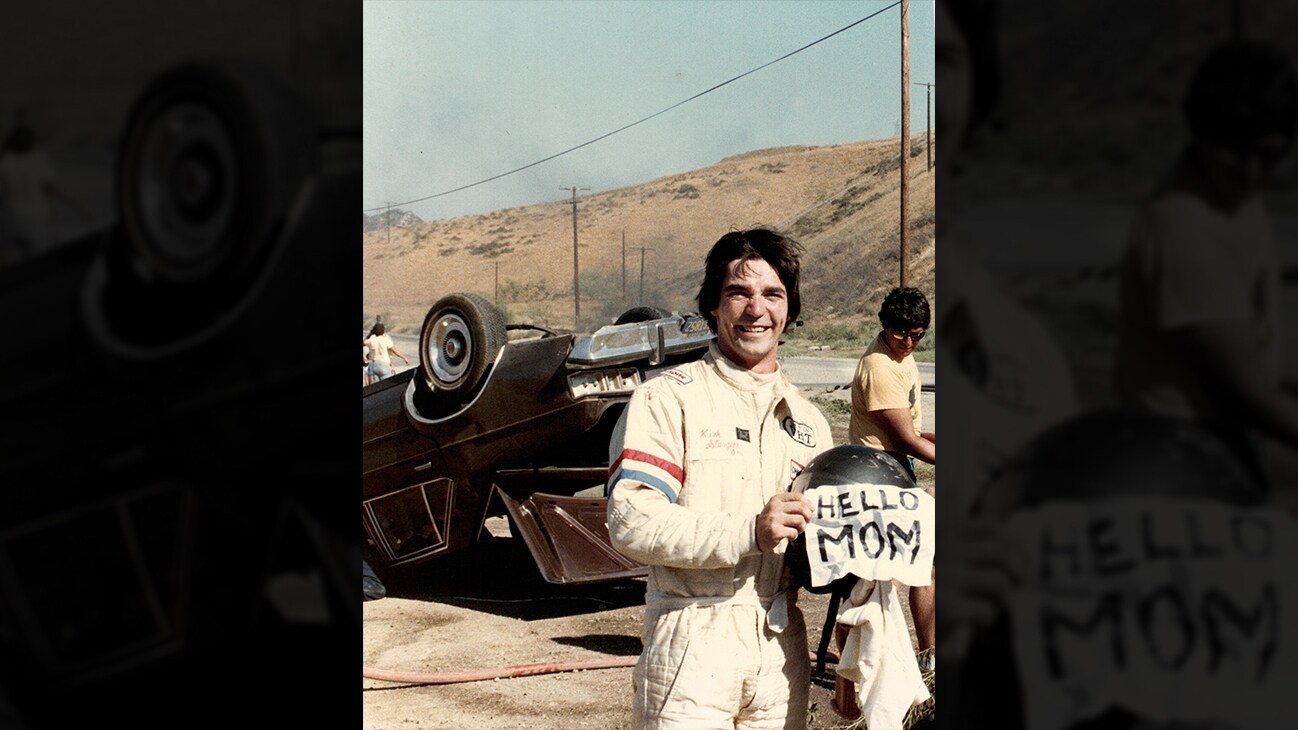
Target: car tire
{"type": "Point", "coordinates": [460, 339]}
{"type": "Point", "coordinates": [642, 314]}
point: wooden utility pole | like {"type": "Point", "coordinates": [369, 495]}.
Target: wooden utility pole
{"type": "Point", "coordinates": [905, 128]}
{"type": "Point", "coordinates": [576, 285]}
{"type": "Point", "coordinates": [387, 223]}
{"type": "Point", "coordinates": [623, 264]}
{"type": "Point", "coordinates": [928, 123]}
{"type": "Point", "coordinates": [497, 283]}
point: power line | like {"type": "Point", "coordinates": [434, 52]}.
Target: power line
{"type": "Point", "coordinates": [645, 119]}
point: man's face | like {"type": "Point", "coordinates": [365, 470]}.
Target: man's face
{"type": "Point", "coordinates": [902, 342]}
{"type": "Point", "coordinates": [751, 314]}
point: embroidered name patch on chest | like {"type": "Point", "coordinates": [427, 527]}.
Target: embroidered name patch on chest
{"type": "Point", "coordinates": [799, 432]}
{"type": "Point", "coordinates": [678, 376]}
{"type": "Point", "coordinates": [711, 441]}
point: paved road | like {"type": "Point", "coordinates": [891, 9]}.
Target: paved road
{"type": "Point", "coordinates": [824, 372]}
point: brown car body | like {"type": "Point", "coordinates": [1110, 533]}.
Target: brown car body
{"type": "Point", "coordinates": [529, 440]}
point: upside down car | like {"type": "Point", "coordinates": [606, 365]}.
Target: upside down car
{"type": "Point", "coordinates": [489, 425]}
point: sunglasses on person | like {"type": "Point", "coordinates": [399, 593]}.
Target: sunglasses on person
{"type": "Point", "coordinates": [913, 336]}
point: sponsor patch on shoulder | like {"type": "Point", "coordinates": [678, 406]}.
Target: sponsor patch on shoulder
{"type": "Point", "coordinates": [799, 432]}
{"type": "Point", "coordinates": [678, 376]}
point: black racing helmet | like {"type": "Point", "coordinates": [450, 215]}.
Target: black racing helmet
{"type": "Point", "coordinates": [845, 464]}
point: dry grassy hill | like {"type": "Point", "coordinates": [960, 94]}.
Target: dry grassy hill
{"type": "Point", "coordinates": [840, 201]}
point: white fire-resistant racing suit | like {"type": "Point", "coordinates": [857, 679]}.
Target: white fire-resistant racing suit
{"type": "Point", "coordinates": [694, 459]}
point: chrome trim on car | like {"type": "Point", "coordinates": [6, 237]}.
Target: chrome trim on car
{"type": "Point", "coordinates": [603, 383]}
{"type": "Point", "coordinates": [412, 411]}
{"type": "Point", "coordinates": [655, 340]}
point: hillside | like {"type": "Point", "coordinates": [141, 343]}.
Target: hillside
{"type": "Point", "coordinates": [380, 221]}
{"type": "Point", "coordinates": [840, 201]}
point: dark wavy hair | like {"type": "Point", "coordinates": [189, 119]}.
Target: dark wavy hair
{"type": "Point", "coordinates": [780, 251]}
{"type": "Point", "coordinates": [905, 308]}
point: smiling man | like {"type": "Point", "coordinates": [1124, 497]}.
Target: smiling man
{"type": "Point", "coordinates": [702, 461]}
{"type": "Point", "coordinates": [751, 314]}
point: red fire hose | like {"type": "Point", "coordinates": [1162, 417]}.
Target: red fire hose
{"type": "Point", "coordinates": [517, 670]}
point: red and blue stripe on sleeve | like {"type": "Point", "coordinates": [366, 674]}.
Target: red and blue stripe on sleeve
{"type": "Point", "coordinates": [658, 473]}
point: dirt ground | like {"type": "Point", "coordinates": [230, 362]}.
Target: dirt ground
{"type": "Point", "coordinates": [487, 607]}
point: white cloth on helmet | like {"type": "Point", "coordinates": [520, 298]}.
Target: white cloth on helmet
{"type": "Point", "coordinates": [878, 655]}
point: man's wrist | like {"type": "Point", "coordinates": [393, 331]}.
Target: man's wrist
{"type": "Point", "coordinates": [754, 546]}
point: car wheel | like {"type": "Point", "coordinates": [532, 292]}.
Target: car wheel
{"type": "Point", "coordinates": [642, 314]}
{"type": "Point", "coordinates": [461, 337]}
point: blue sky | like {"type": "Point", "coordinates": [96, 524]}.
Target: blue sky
{"type": "Point", "coordinates": [457, 92]}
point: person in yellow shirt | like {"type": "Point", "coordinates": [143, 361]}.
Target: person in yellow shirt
{"type": "Point", "coordinates": [887, 414]}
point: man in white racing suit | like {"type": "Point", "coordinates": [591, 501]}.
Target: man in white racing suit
{"type": "Point", "coordinates": [702, 460]}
